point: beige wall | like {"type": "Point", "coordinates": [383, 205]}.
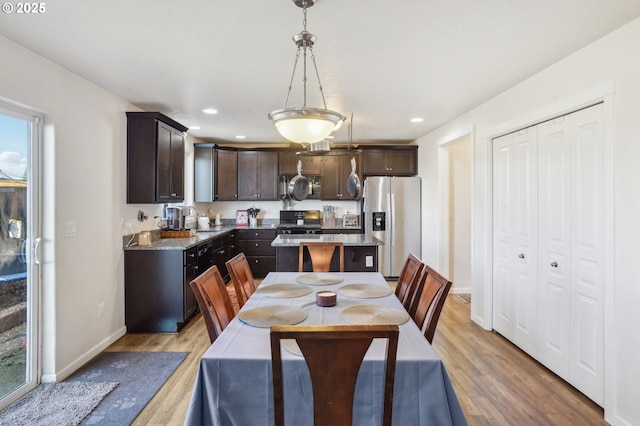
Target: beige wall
{"type": "Point", "coordinates": [608, 69]}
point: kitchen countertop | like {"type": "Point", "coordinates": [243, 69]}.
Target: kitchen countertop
{"type": "Point", "coordinates": [347, 239]}
{"type": "Point", "coordinates": [218, 231]}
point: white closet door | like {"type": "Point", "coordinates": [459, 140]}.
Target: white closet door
{"type": "Point", "coordinates": [515, 227]}
{"type": "Point", "coordinates": [554, 270]}
{"type": "Point", "coordinates": [587, 253]}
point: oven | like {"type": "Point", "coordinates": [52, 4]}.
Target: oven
{"type": "Point", "coordinates": [299, 222]}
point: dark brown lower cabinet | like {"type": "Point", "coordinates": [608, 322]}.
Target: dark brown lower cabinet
{"type": "Point", "coordinates": [158, 298]}
{"type": "Point", "coordinates": [256, 246]}
{"type": "Point", "coordinates": [355, 259]}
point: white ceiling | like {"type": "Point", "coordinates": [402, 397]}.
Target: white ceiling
{"type": "Point", "coordinates": [384, 61]}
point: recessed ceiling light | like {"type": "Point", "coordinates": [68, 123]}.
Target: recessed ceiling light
{"type": "Point", "coordinates": [194, 127]}
{"type": "Point", "coordinates": [417, 120]}
{"type": "Point", "coordinates": [241, 137]}
{"type": "Point", "coordinates": [210, 111]}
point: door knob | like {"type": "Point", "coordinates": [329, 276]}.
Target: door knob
{"type": "Point", "coordinates": [554, 264]}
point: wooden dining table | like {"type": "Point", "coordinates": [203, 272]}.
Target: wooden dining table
{"type": "Point", "coordinates": [233, 385]}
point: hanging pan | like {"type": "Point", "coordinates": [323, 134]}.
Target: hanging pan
{"type": "Point", "coordinates": [299, 186]}
{"type": "Point", "coordinates": [353, 181]}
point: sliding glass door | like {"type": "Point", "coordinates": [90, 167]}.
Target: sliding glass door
{"type": "Point", "coordinates": [19, 238]}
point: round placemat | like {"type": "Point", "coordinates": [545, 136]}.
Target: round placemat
{"type": "Point", "coordinates": [374, 315]}
{"type": "Point", "coordinates": [319, 279]}
{"type": "Point", "coordinates": [266, 316]}
{"type": "Point", "coordinates": [364, 291]}
{"type": "Point", "coordinates": [284, 290]}
{"type": "Point", "coordinates": [290, 345]}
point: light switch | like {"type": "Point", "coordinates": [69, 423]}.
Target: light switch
{"type": "Point", "coordinates": [70, 229]}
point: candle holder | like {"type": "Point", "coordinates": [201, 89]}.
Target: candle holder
{"type": "Point", "coordinates": [326, 298]}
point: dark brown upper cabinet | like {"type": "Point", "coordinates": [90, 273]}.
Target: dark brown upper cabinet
{"type": "Point", "coordinates": [258, 175]}
{"type": "Point", "coordinates": [155, 158]}
{"type": "Point", "coordinates": [288, 163]}
{"type": "Point", "coordinates": [335, 171]}
{"type": "Point", "coordinates": [390, 161]}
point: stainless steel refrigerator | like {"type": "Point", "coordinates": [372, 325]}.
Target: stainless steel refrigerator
{"type": "Point", "coordinates": [392, 214]}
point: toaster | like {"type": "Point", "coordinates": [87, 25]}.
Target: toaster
{"type": "Point", "coordinates": [350, 220]}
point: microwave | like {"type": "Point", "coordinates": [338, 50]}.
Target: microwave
{"type": "Point", "coordinates": [315, 181]}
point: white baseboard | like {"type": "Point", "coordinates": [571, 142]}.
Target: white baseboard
{"type": "Point", "coordinates": [82, 360]}
{"type": "Point", "coordinates": [461, 290]}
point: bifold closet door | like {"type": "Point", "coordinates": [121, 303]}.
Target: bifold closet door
{"type": "Point", "coordinates": [570, 272]}
{"type": "Point", "coordinates": [515, 235]}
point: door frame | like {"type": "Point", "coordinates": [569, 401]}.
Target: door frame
{"type": "Point", "coordinates": [32, 249]}
{"type": "Point", "coordinates": [445, 264]}
{"type": "Point", "coordinates": [482, 271]}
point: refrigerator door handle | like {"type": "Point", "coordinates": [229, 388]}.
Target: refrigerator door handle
{"type": "Point", "coordinates": [392, 220]}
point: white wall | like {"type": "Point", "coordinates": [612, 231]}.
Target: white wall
{"type": "Point", "coordinates": [83, 181]}
{"type": "Point", "coordinates": [610, 65]}
{"type": "Point", "coordinates": [460, 215]}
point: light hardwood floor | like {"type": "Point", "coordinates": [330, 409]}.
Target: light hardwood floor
{"type": "Point", "coordinates": [496, 383]}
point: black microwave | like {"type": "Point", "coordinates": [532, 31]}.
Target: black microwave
{"type": "Point", "coordinates": [314, 181]}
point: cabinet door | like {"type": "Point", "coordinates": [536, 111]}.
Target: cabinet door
{"type": "Point", "coordinates": [288, 164]}
{"type": "Point", "coordinates": [169, 165]}
{"type": "Point", "coordinates": [268, 176]}
{"type": "Point", "coordinates": [226, 175]}
{"type": "Point", "coordinates": [330, 177]}
{"type": "Point", "coordinates": [402, 162]}
{"type": "Point", "coordinates": [248, 172]}
{"type": "Point", "coordinates": [190, 302]}
{"type": "Point", "coordinates": [375, 162]}
{"type": "Point", "coordinates": [204, 174]}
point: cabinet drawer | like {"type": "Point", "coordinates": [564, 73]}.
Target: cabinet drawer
{"type": "Point", "coordinates": [256, 234]}
{"type": "Point", "coordinates": [256, 248]}
{"type": "Point", "coordinates": [261, 265]}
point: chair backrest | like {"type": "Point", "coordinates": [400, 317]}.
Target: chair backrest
{"type": "Point", "coordinates": [333, 378]}
{"type": "Point", "coordinates": [321, 254]}
{"type": "Point", "coordinates": [213, 300]}
{"type": "Point", "coordinates": [408, 280]}
{"type": "Point", "coordinates": [242, 278]}
{"type": "Point", "coordinates": [432, 293]}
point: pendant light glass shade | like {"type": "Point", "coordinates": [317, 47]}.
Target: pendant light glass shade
{"type": "Point", "coordinates": [305, 125]}
{"type": "Point", "coordinates": [308, 125]}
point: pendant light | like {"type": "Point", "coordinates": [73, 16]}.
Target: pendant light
{"type": "Point", "coordinates": [303, 124]}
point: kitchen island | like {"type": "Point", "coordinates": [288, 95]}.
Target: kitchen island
{"type": "Point", "coordinates": [360, 251]}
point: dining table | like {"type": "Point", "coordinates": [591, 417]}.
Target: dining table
{"type": "Point", "coordinates": [233, 385]}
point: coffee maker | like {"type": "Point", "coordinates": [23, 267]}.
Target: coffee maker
{"type": "Point", "coordinates": [175, 217]}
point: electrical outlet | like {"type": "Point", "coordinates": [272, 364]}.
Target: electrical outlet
{"type": "Point", "coordinates": [70, 229]}
{"type": "Point", "coordinates": [368, 261]}
{"type": "Point", "coordinates": [100, 310]}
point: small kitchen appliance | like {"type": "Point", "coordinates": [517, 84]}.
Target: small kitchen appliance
{"type": "Point", "coordinates": [175, 217]}
{"type": "Point", "coordinates": [351, 220]}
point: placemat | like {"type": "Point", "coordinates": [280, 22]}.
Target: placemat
{"type": "Point", "coordinates": [374, 315]}
{"type": "Point", "coordinates": [284, 290]}
{"type": "Point", "coordinates": [364, 291]}
{"type": "Point", "coordinates": [266, 316]}
{"type": "Point", "coordinates": [319, 279]}
{"type": "Point", "coordinates": [290, 345]}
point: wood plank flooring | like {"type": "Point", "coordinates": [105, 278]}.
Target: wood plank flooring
{"type": "Point", "coordinates": [496, 383]}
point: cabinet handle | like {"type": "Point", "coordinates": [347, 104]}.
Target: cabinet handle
{"type": "Point", "coordinates": [256, 234]}
{"type": "Point", "coordinates": [173, 195]}
{"type": "Point", "coordinates": [521, 256]}
{"type": "Point", "coordinates": [554, 264]}
{"type": "Point", "coordinates": [257, 245]}
{"type": "Point", "coordinates": [256, 260]}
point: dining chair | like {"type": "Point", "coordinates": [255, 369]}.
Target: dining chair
{"type": "Point", "coordinates": [408, 281]}
{"type": "Point", "coordinates": [333, 378]}
{"type": "Point", "coordinates": [213, 300]}
{"type": "Point", "coordinates": [431, 294]}
{"type": "Point", "coordinates": [321, 254]}
{"type": "Point", "coordinates": [242, 278]}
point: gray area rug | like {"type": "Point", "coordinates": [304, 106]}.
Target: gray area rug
{"type": "Point", "coordinates": [140, 375]}
{"type": "Point", "coordinates": [49, 404]}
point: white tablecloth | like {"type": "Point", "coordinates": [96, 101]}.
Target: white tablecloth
{"type": "Point", "coordinates": [233, 385]}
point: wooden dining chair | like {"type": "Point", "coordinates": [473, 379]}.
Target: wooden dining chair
{"type": "Point", "coordinates": [408, 281]}
{"type": "Point", "coordinates": [242, 278]}
{"type": "Point", "coordinates": [431, 294]}
{"type": "Point", "coordinates": [213, 300]}
{"type": "Point", "coordinates": [321, 254]}
{"type": "Point", "coordinates": [333, 378]}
